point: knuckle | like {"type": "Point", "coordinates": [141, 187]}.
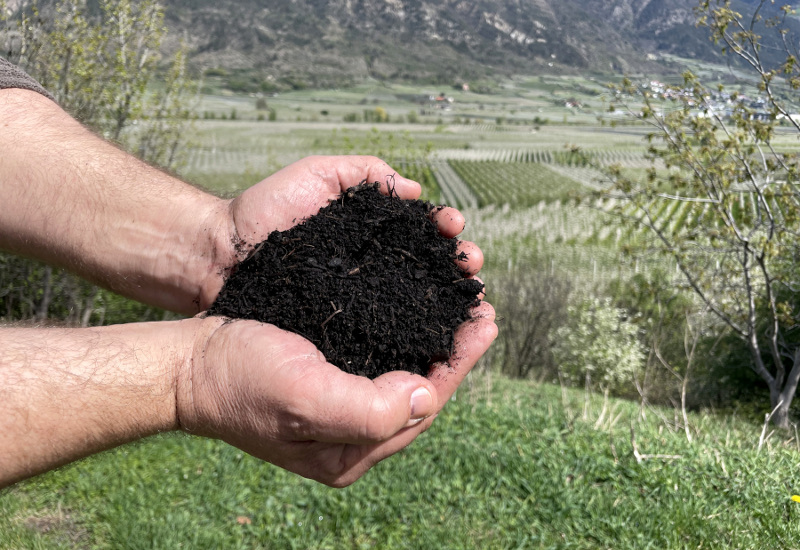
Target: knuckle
{"type": "Point", "coordinates": [377, 425]}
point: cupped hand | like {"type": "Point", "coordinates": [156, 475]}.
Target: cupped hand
{"type": "Point", "coordinates": [272, 394]}
{"type": "Point", "coordinates": [299, 190]}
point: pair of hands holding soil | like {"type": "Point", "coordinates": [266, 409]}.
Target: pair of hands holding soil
{"type": "Point", "coordinates": [272, 394]}
{"type": "Point", "coordinates": [75, 201]}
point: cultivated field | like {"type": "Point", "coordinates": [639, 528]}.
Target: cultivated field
{"type": "Point", "coordinates": [486, 154]}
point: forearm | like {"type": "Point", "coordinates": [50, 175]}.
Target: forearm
{"type": "Point", "coordinates": [68, 393]}
{"type": "Point", "coordinates": [71, 199]}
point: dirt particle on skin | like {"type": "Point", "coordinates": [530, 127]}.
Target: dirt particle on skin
{"type": "Point", "coordinates": [369, 280]}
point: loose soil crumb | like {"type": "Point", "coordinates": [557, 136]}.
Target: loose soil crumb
{"type": "Point", "coordinates": [369, 280]}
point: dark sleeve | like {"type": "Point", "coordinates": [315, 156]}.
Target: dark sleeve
{"type": "Point", "coordinates": [12, 76]}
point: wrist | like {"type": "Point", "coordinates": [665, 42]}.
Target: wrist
{"type": "Point", "coordinates": [218, 249]}
{"type": "Point", "coordinates": [193, 377]}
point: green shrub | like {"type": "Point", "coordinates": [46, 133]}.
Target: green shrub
{"type": "Point", "coordinates": [599, 346]}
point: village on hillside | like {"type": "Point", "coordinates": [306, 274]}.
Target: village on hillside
{"type": "Point", "coordinates": [721, 104]}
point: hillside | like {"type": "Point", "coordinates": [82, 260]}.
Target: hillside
{"type": "Point", "coordinates": [315, 42]}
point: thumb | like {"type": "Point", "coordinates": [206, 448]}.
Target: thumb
{"type": "Point", "coordinates": [344, 408]}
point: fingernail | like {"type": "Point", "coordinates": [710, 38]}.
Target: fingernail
{"type": "Point", "coordinates": [421, 404]}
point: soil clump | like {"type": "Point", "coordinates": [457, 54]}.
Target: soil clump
{"type": "Point", "coordinates": [369, 280]}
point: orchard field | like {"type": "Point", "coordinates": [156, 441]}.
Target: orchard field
{"type": "Point", "coordinates": [506, 159]}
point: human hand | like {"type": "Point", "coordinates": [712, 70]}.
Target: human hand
{"type": "Point", "coordinates": [299, 191]}
{"type": "Point", "coordinates": [272, 394]}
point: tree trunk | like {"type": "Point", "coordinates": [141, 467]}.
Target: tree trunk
{"type": "Point", "coordinates": [781, 416]}
{"type": "Point", "coordinates": [785, 395]}
{"type": "Point", "coordinates": [89, 308]}
{"type": "Point", "coordinates": [42, 310]}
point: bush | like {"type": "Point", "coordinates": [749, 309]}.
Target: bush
{"type": "Point", "coordinates": [672, 325]}
{"type": "Point", "coordinates": [216, 71]}
{"type": "Point", "coordinates": [378, 114]}
{"type": "Point", "coordinates": [599, 346]}
{"type": "Point", "coordinates": [530, 306]}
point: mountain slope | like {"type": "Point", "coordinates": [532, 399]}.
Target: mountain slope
{"type": "Point", "coordinates": [328, 42]}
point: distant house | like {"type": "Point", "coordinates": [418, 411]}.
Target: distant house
{"type": "Point", "coordinates": [763, 116]}
{"type": "Point", "coordinates": [443, 102]}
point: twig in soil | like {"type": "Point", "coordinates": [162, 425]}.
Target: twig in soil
{"type": "Point", "coordinates": [336, 312]}
{"type": "Point", "coordinates": [406, 253]}
{"type": "Point", "coordinates": [392, 186]}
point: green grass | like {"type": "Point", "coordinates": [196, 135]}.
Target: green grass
{"type": "Point", "coordinates": [515, 466]}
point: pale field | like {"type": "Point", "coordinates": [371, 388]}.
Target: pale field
{"type": "Point", "coordinates": [230, 155]}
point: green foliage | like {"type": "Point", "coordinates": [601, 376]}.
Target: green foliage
{"type": "Point", "coordinates": [351, 117]}
{"type": "Point", "coordinates": [506, 465]}
{"type": "Point", "coordinates": [101, 66]}
{"type": "Point", "coordinates": [737, 247]}
{"type": "Point", "coordinates": [598, 346]}
{"type": "Point", "coordinates": [532, 305]}
{"type": "Point", "coordinates": [162, 137]}
{"type": "Point", "coordinates": [216, 71]}
{"type": "Point", "coordinates": [378, 114]}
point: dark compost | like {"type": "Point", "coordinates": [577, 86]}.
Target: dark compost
{"type": "Point", "coordinates": [369, 280]}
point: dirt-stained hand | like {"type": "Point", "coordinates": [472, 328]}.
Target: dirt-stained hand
{"type": "Point", "coordinates": [272, 394]}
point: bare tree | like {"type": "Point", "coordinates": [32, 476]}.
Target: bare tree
{"type": "Point", "coordinates": [738, 240]}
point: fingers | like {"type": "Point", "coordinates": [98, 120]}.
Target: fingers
{"type": "Point", "coordinates": [449, 221]}
{"type": "Point", "coordinates": [352, 461]}
{"type": "Point", "coordinates": [315, 400]}
{"type": "Point", "coordinates": [352, 170]}
{"type": "Point", "coordinates": [484, 310]}
{"type": "Point", "coordinates": [469, 258]}
{"type": "Point", "coordinates": [471, 341]}
{"type": "Point", "coordinates": [342, 408]}
{"type": "Point", "coordinates": [342, 466]}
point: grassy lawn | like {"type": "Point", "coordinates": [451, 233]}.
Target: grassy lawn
{"type": "Point", "coordinates": [507, 465]}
